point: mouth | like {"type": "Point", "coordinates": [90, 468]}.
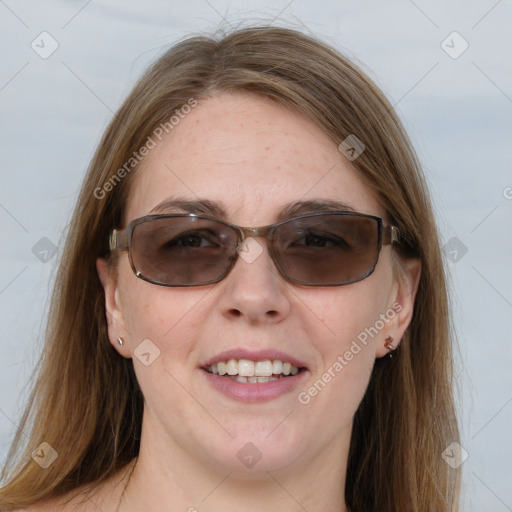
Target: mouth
{"type": "Point", "coordinates": [254, 376]}
{"type": "Point", "coordinates": [247, 371]}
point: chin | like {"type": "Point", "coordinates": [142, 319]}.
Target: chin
{"type": "Point", "coordinates": [252, 452]}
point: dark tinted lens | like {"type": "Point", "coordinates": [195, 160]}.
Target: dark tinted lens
{"type": "Point", "coordinates": [182, 250]}
{"type": "Point", "coordinates": [327, 249]}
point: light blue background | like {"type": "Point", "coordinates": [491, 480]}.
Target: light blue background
{"type": "Point", "coordinates": [458, 113]}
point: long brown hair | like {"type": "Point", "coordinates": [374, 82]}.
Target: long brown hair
{"type": "Point", "coordinates": [86, 402]}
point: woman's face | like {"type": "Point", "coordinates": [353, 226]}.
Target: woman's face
{"type": "Point", "coordinates": [252, 157]}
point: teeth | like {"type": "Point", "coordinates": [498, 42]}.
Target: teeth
{"type": "Point", "coordinates": [231, 367]}
{"type": "Point", "coordinates": [266, 379]}
{"type": "Point", "coordinates": [251, 380]}
{"type": "Point", "coordinates": [277, 367]}
{"type": "Point", "coordinates": [245, 370]}
{"type": "Point", "coordinates": [263, 369]}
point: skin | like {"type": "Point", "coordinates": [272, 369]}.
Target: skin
{"type": "Point", "coordinates": [253, 156]}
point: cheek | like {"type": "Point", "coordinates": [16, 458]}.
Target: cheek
{"type": "Point", "coordinates": [165, 316]}
{"type": "Point", "coordinates": [338, 383]}
{"type": "Point", "coordinates": [162, 325]}
{"type": "Point", "coordinates": [349, 324]}
{"type": "Point", "coordinates": [347, 316]}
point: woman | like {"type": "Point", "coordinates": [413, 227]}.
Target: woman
{"type": "Point", "coordinates": [193, 364]}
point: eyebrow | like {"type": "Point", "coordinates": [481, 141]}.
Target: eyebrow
{"type": "Point", "coordinates": [313, 205]}
{"type": "Point", "coordinates": [216, 209]}
{"type": "Point", "coordinates": [183, 205]}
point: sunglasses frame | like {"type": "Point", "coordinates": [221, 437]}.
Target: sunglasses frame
{"type": "Point", "coordinates": [120, 240]}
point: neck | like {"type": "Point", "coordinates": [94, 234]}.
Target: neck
{"type": "Point", "coordinates": [172, 478]}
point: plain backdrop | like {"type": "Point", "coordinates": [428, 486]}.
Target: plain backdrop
{"type": "Point", "coordinates": [452, 90]}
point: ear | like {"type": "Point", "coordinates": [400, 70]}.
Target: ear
{"type": "Point", "coordinates": [113, 311]}
{"type": "Point", "coordinates": [400, 305]}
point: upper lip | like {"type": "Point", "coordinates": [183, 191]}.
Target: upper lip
{"type": "Point", "coordinates": [254, 355]}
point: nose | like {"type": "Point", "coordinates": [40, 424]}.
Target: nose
{"type": "Point", "coordinates": [254, 290]}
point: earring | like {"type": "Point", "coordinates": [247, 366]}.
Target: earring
{"type": "Point", "coordinates": [120, 341]}
{"type": "Point", "coordinates": [388, 343]}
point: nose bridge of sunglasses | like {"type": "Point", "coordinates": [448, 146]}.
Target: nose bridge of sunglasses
{"type": "Point", "coordinates": [249, 248]}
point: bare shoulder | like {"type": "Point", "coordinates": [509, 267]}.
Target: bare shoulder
{"type": "Point", "coordinates": [104, 496]}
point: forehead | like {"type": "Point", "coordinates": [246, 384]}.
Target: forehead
{"type": "Point", "coordinates": [251, 156]}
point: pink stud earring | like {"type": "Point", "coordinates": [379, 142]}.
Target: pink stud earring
{"type": "Point", "coordinates": [388, 343]}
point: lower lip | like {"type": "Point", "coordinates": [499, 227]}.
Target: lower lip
{"type": "Point", "coordinates": [257, 392]}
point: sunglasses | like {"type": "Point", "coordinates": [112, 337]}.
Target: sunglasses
{"type": "Point", "coordinates": [316, 249]}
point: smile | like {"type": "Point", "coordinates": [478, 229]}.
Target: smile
{"type": "Point", "coordinates": [252, 372]}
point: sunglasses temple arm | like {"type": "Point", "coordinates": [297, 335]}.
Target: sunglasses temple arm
{"type": "Point", "coordinates": [390, 234]}
{"type": "Point", "coordinates": [118, 240]}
